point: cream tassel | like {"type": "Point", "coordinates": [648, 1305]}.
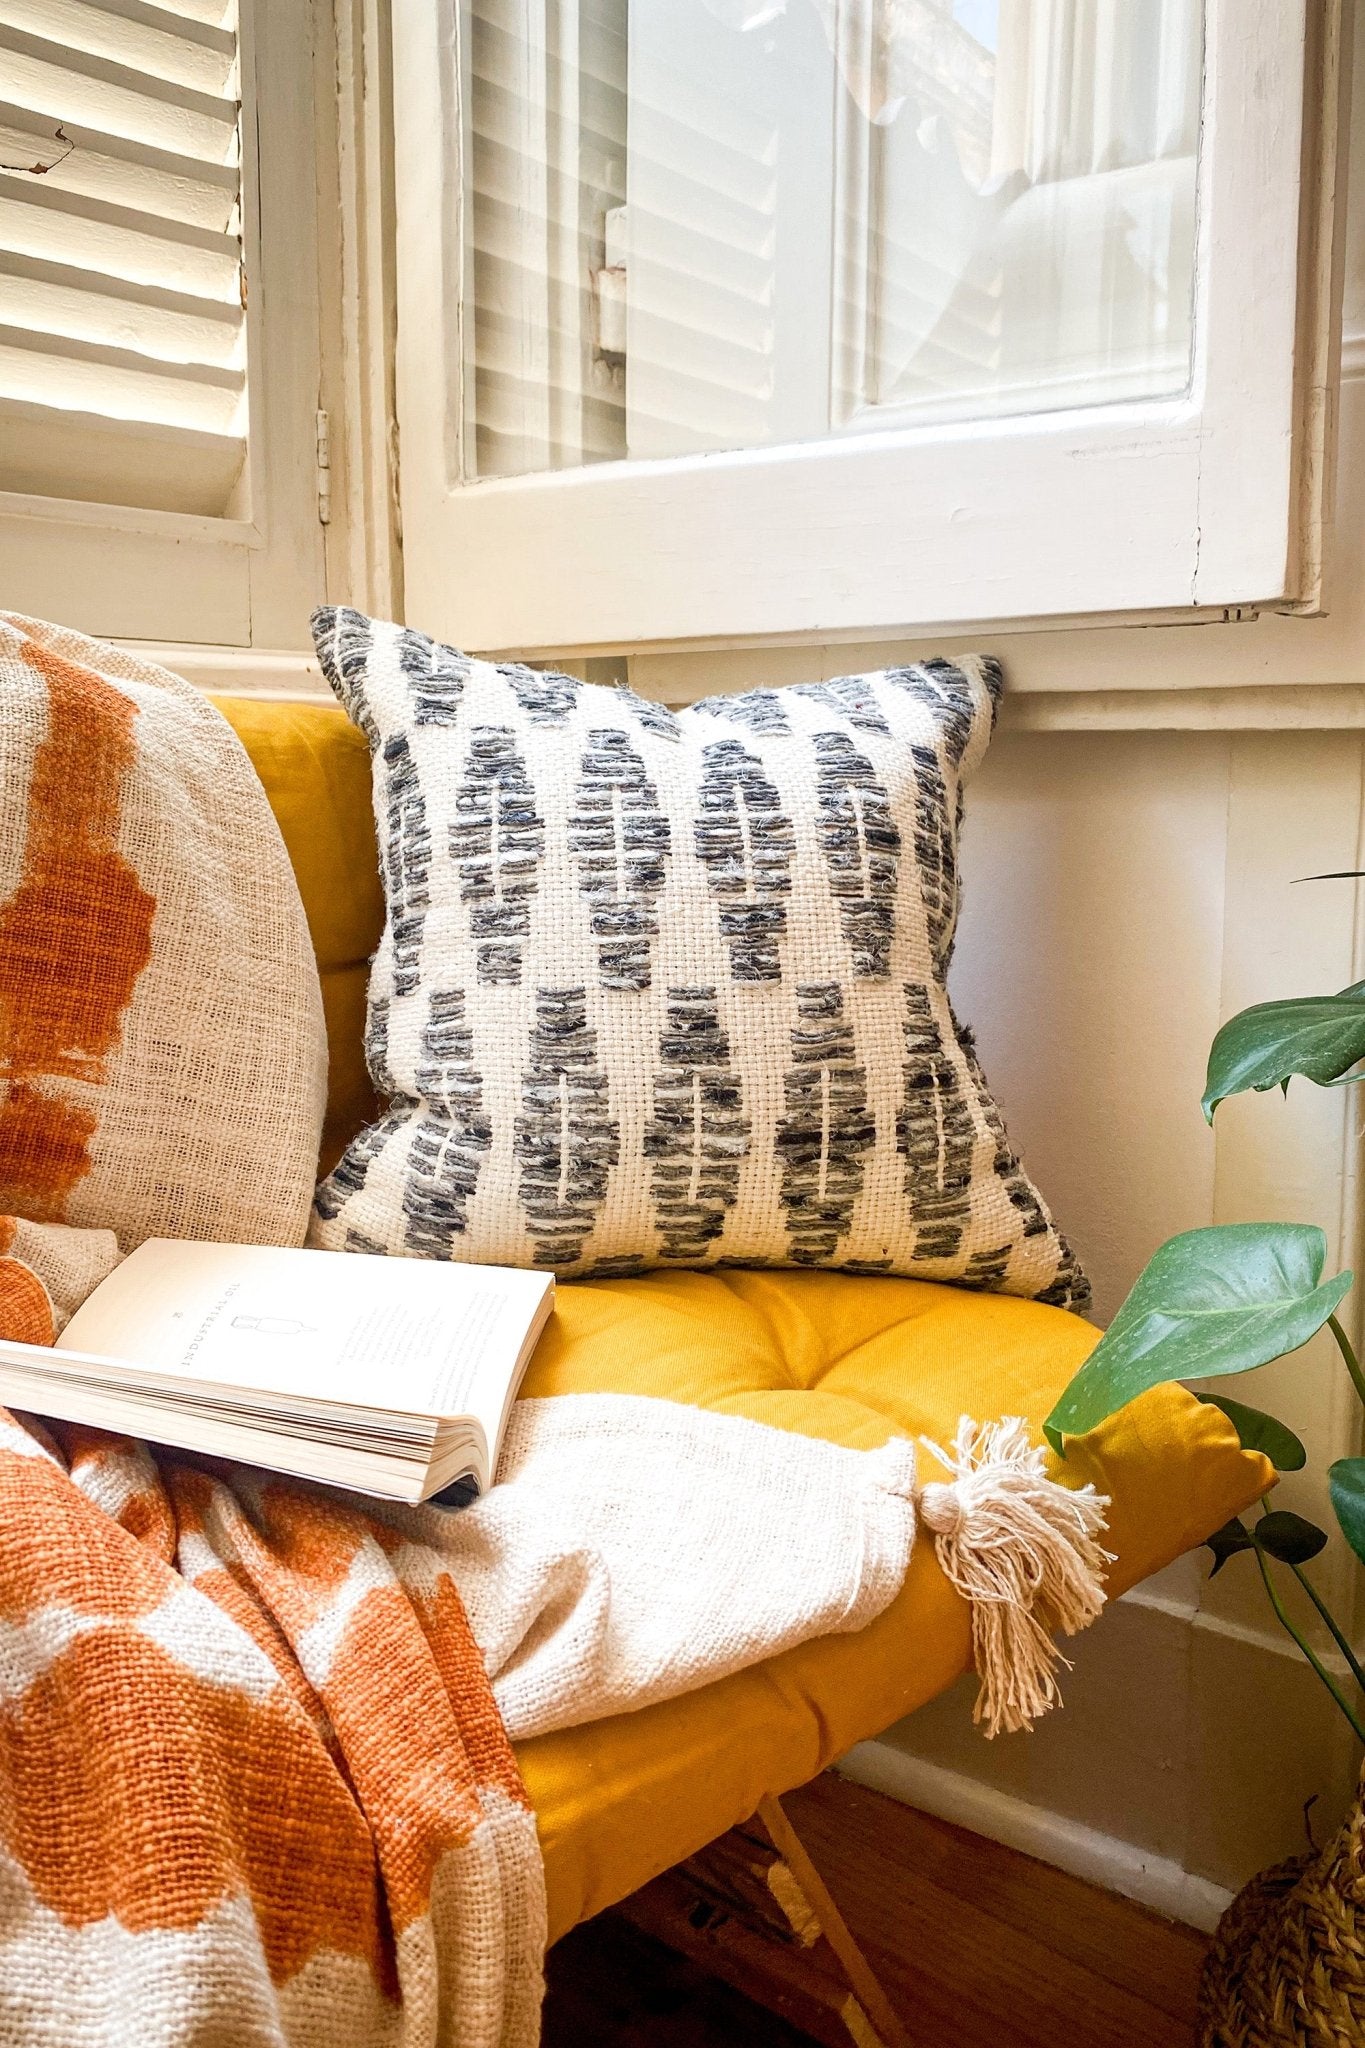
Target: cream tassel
{"type": "Point", "coordinates": [1023, 1552]}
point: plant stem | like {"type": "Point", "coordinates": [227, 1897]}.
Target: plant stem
{"type": "Point", "coordinates": [1326, 1613]}
{"type": "Point", "coordinates": [1347, 1350]}
{"type": "Point", "coordinates": [1345, 1648]}
{"type": "Point", "coordinates": [1323, 1673]}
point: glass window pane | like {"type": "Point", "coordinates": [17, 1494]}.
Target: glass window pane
{"type": "Point", "coordinates": [719, 224]}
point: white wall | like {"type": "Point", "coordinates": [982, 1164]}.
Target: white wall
{"type": "Point", "coordinates": [1127, 891]}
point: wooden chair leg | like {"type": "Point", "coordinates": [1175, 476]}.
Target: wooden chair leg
{"type": "Point", "coordinates": [752, 1909]}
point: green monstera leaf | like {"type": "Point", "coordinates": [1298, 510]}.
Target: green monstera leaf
{"type": "Point", "coordinates": [1346, 1484]}
{"type": "Point", "coordinates": [1320, 1037]}
{"type": "Point", "coordinates": [1257, 1431]}
{"type": "Point", "coordinates": [1283, 1535]}
{"type": "Point", "coordinates": [1227, 1541]}
{"type": "Point", "coordinates": [1289, 1537]}
{"type": "Point", "coordinates": [1212, 1301]}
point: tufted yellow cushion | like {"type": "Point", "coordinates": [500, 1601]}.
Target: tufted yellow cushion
{"type": "Point", "coordinates": [852, 1359]}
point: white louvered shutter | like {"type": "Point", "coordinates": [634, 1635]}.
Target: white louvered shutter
{"type": "Point", "coordinates": [546, 125]}
{"type": "Point", "coordinates": [122, 330]}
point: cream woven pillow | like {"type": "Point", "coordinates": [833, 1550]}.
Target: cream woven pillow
{"type": "Point", "coordinates": [163, 1062]}
{"type": "Point", "coordinates": [662, 989]}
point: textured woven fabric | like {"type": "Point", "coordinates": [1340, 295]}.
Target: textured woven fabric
{"type": "Point", "coordinates": [253, 1784]}
{"type": "Point", "coordinates": [162, 1053]}
{"type": "Point", "coordinates": [54, 1267]}
{"type": "Point", "coordinates": [315, 769]}
{"type": "Point", "coordinates": [666, 989]}
{"type": "Point", "coordinates": [635, 1549]}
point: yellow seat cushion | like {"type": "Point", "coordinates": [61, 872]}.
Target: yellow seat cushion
{"type": "Point", "coordinates": [856, 1360]}
{"type": "Point", "coordinates": [850, 1358]}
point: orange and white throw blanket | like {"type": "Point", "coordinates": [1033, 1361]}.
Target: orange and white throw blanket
{"type": "Point", "coordinates": [254, 1787]}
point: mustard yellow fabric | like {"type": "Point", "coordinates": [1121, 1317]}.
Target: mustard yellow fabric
{"type": "Point", "coordinates": [855, 1360]}
{"type": "Point", "coordinates": [849, 1358]}
{"type": "Point", "coordinates": [315, 768]}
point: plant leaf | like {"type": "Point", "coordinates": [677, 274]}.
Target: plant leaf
{"type": "Point", "coordinates": [1346, 1483]}
{"type": "Point", "coordinates": [1227, 1541]}
{"type": "Point", "coordinates": [1289, 1537]}
{"type": "Point", "coordinates": [1257, 1431]}
{"type": "Point", "coordinates": [1214, 1301]}
{"type": "Point", "coordinates": [1320, 1037]}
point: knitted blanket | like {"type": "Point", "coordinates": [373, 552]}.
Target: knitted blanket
{"type": "Point", "coordinates": [252, 1774]}
{"type": "Point", "coordinates": [254, 1787]}
{"type": "Point", "coordinates": [251, 1765]}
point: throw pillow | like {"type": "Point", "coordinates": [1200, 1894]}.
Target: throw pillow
{"type": "Point", "coordinates": [162, 1055]}
{"type": "Point", "coordinates": [664, 988]}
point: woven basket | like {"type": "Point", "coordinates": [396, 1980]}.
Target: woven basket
{"type": "Point", "coordinates": [1287, 1966]}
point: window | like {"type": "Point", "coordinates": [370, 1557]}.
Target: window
{"type": "Point", "coordinates": [722, 318]}
{"type": "Point", "coordinates": [772, 225]}
{"type": "Point", "coordinates": [159, 324]}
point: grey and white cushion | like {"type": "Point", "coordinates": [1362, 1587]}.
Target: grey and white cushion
{"type": "Point", "coordinates": [663, 989]}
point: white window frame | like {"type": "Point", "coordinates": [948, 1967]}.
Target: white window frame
{"type": "Point", "coordinates": [1203, 503]}
{"type": "Point", "coordinates": [128, 573]}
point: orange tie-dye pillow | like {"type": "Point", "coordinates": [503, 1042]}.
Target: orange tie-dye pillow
{"type": "Point", "coordinates": [162, 1053]}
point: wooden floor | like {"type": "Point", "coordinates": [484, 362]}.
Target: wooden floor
{"type": "Point", "coordinates": [977, 1946]}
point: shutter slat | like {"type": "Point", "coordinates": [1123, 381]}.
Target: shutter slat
{"type": "Point", "coordinates": [51, 370]}
{"type": "Point", "coordinates": [97, 460]}
{"type": "Point", "coordinates": [70, 85]}
{"type": "Point", "coordinates": [124, 174]}
{"type": "Point", "coordinates": [132, 35]}
{"type": "Point", "coordinates": [122, 334]}
{"type": "Point", "coordinates": [118, 242]}
{"type": "Point", "coordinates": [55, 298]}
{"type": "Point", "coordinates": [216, 13]}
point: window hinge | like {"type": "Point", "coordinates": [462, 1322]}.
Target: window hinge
{"type": "Point", "coordinates": [324, 455]}
{"type": "Point", "coordinates": [609, 285]}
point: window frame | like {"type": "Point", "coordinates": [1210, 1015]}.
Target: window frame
{"type": "Point", "coordinates": [140, 574]}
{"type": "Point", "coordinates": [1195, 505]}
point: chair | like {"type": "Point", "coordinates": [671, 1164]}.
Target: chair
{"type": "Point", "coordinates": [851, 1358]}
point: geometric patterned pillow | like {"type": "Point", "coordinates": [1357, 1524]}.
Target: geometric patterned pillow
{"type": "Point", "coordinates": [668, 989]}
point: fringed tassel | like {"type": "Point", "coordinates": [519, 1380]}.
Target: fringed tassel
{"type": "Point", "coordinates": [1024, 1552]}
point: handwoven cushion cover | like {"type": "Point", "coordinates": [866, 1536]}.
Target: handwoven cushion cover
{"type": "Point", "coordinates": [162, 1052]}
{"type": "Point", "coordinates": [669, 989]}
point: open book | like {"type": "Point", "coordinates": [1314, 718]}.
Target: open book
{"type": "Point", "coordinates": [393, 1376]}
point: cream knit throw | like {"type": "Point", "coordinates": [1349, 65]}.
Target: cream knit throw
{"type": "Point", "coordinates": [635, 1549]}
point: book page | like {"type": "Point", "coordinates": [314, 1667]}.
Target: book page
{"type": "Point", "coordinates": [405, 1334]}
